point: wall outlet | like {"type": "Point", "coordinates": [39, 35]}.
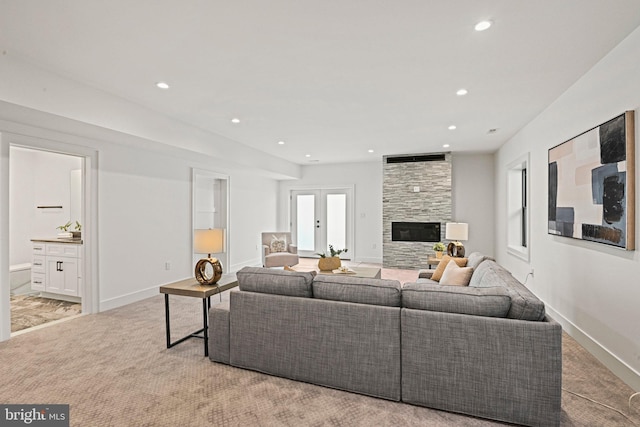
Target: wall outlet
{"type": "Point", "coordinates": [531, 272]}
{"type": "Point", "coordinates": [373, 246]}
{"type": "Point", "coordinates": [167, 265]}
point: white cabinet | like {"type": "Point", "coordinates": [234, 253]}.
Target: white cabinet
{"type": "Point", "coordinates": [57, 268]}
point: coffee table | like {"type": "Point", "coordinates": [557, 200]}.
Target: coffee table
{"type": "Point", "coordinates": [366, 272]}
{"type": "Point", "coordinates": [192, 288]}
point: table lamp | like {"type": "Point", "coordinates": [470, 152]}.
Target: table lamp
{"type": "Point", "coordinates": [456, 231]}
{"type": "Point", "coordinates": [211, 241]}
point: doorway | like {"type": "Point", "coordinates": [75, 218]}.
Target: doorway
{"type": "Point", "coordinates": [88, 286]}
{"type": "Point", "coordinates": [45, 202]}
{"type": "Point", "coordinates": [322, 217]}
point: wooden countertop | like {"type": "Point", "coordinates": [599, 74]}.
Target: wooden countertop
{"type": "Point", "coordinates": [58, 240]}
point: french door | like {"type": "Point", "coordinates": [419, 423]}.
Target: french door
{"type": "Point", "coordinates": [322, 217]}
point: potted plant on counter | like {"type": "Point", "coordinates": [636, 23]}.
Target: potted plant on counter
{"type": "Point", "coordinates": [64, 231]}
{"type": "Point", "coordinates": [439, 248]}
{"type": "Point", "coordinates": [77, 233]}
{"type": "Point", "coordinates": [330, 262]}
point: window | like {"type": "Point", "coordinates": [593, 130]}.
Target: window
{"type": "Point", "coordinates": [523, 234]}
{"type": "Point", "coordinates": [517, 208]}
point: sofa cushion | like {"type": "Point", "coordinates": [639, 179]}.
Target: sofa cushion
{"type": "Point", "coordinates": [425, 273]}
{"type": "Point", "coordinates": [462, 262]}
{"type": "Point", "coordinates": [356, 289]}
{"type": "Point", "coordinates": [456, 276]}
{"type": "Point", "coordinates": [524, 304]}
{"type": "Point", "coordinates": [489, 302]}
{"type": "Point", "coordinates": [279, 282]}
{"type": "Point", "coordinates": [479, 272]}
{"type": "Point", "coordinates": [279, 259]}
{"type": "Point", "coordinates": [475, 258]}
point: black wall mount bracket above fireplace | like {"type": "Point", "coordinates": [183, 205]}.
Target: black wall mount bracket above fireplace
{"type": "Point", "coordinates": [415, 231]}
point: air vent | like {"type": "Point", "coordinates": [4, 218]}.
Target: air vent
{"type": "Point", "coordinates": [416, 158]}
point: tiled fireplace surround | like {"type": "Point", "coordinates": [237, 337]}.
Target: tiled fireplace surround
{"type": "Point", "coordinates": [400, 202]}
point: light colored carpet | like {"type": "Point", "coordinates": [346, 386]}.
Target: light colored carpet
{"type": "Point", "coordinates": [114, 370]}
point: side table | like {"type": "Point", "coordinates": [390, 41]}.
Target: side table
{"type": "Point", "coordinates": [192, 288]}
{"type": "Point", "coordinates": [433, 261]}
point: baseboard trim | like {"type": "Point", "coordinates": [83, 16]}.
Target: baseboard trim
{"type": "Point", "coordinates": [623, 371]}
{"type": "Point", "coordinates": [129, 298]}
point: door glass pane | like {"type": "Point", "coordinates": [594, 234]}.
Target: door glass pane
{"type": "Point", "coordinates": [305, 222]}
{"type": "Point", "coordinates": [336, 221]}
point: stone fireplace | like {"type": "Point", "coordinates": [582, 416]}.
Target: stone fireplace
{"type": "Point", "coordinates": [416, 204]}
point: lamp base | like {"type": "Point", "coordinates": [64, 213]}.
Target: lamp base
{"type": "Point", "coordinates": [208, 271]}
{"type": "Point", "coordinates": [455, 249]}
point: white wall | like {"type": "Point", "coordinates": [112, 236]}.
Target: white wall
{"type": "Point", "coordinates": [253, 210]}
{"type": "Point", "coordinates": [37, 178]}
{"type": "Point", "coordinates": [473, 186]}
{"type": "Point", "coordinates": [473, 199]}
{"type": "Point", "coordinates": [591, 288]}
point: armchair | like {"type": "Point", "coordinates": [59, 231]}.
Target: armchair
{"type": "Point", "coordinates": [278, 250]}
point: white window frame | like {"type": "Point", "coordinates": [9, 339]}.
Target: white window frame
{"type": "Point", "coordinates": [515, 189]}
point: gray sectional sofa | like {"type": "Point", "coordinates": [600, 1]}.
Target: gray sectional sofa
{"type": "Point", "coordinates": [486, 350]}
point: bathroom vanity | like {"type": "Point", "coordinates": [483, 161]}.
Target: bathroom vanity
{"type": "Point", "coordinates": [56, 268]}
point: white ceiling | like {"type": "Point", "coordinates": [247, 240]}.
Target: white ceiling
{"type": "Point", "coordinates": [332, 79]}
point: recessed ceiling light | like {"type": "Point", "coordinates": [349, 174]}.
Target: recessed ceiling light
{"type": "Point", "coordinates": [235, 120]}
{"type": "Point", "coordinates": [483, 25]}
{"type": "Point", "coordinates": [452, 127]}
{"type": "Point", "coordinates": [307, 155]}
{"type": "Point", "coordinates": [280, 142]}
{"type": "Point", "coordinates": [371, 151]}
{"type": "Point", "coordinates": [446, 146]}
{"type": "Point", "coordinates": [462, 92]}
{"type": "Point", "coordinates": [162, 85]}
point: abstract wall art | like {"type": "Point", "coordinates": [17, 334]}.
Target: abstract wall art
{"type": "Point", "coordinates": [592, 184]}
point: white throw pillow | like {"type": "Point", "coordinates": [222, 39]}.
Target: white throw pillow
{"type": "Point", "coordinates": [278, 244]}
{"type": "Point", "coordinates": [454, 275]}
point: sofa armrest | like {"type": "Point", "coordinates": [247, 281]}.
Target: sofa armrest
{"type": "Point", "coordinates": [219, 334]}
{"type": "Point", "coordinates": [293, 248]}
{"type": "Point", "coordinates": [463, 363]}
{"type": "Point", "coordinates": [425, 273]}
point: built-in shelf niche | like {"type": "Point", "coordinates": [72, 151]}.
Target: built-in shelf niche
{"type": "Point", "coordinates": [211, 207]}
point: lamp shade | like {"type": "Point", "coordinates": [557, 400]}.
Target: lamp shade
{"type": "Point", "coordinates": [457, 231]}
{"type": "Point", "coordinates": [209, 241]}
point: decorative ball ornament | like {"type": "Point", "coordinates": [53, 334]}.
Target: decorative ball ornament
{"type": "Point", "coordinates": [455, 249]}
{"type": "Point", "coordinates": [208, 271]}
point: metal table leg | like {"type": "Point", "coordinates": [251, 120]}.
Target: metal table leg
{"type": "Point", "coordinates": [205, 326]}
{"type": "Point", "coordinates": [206, 302]}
